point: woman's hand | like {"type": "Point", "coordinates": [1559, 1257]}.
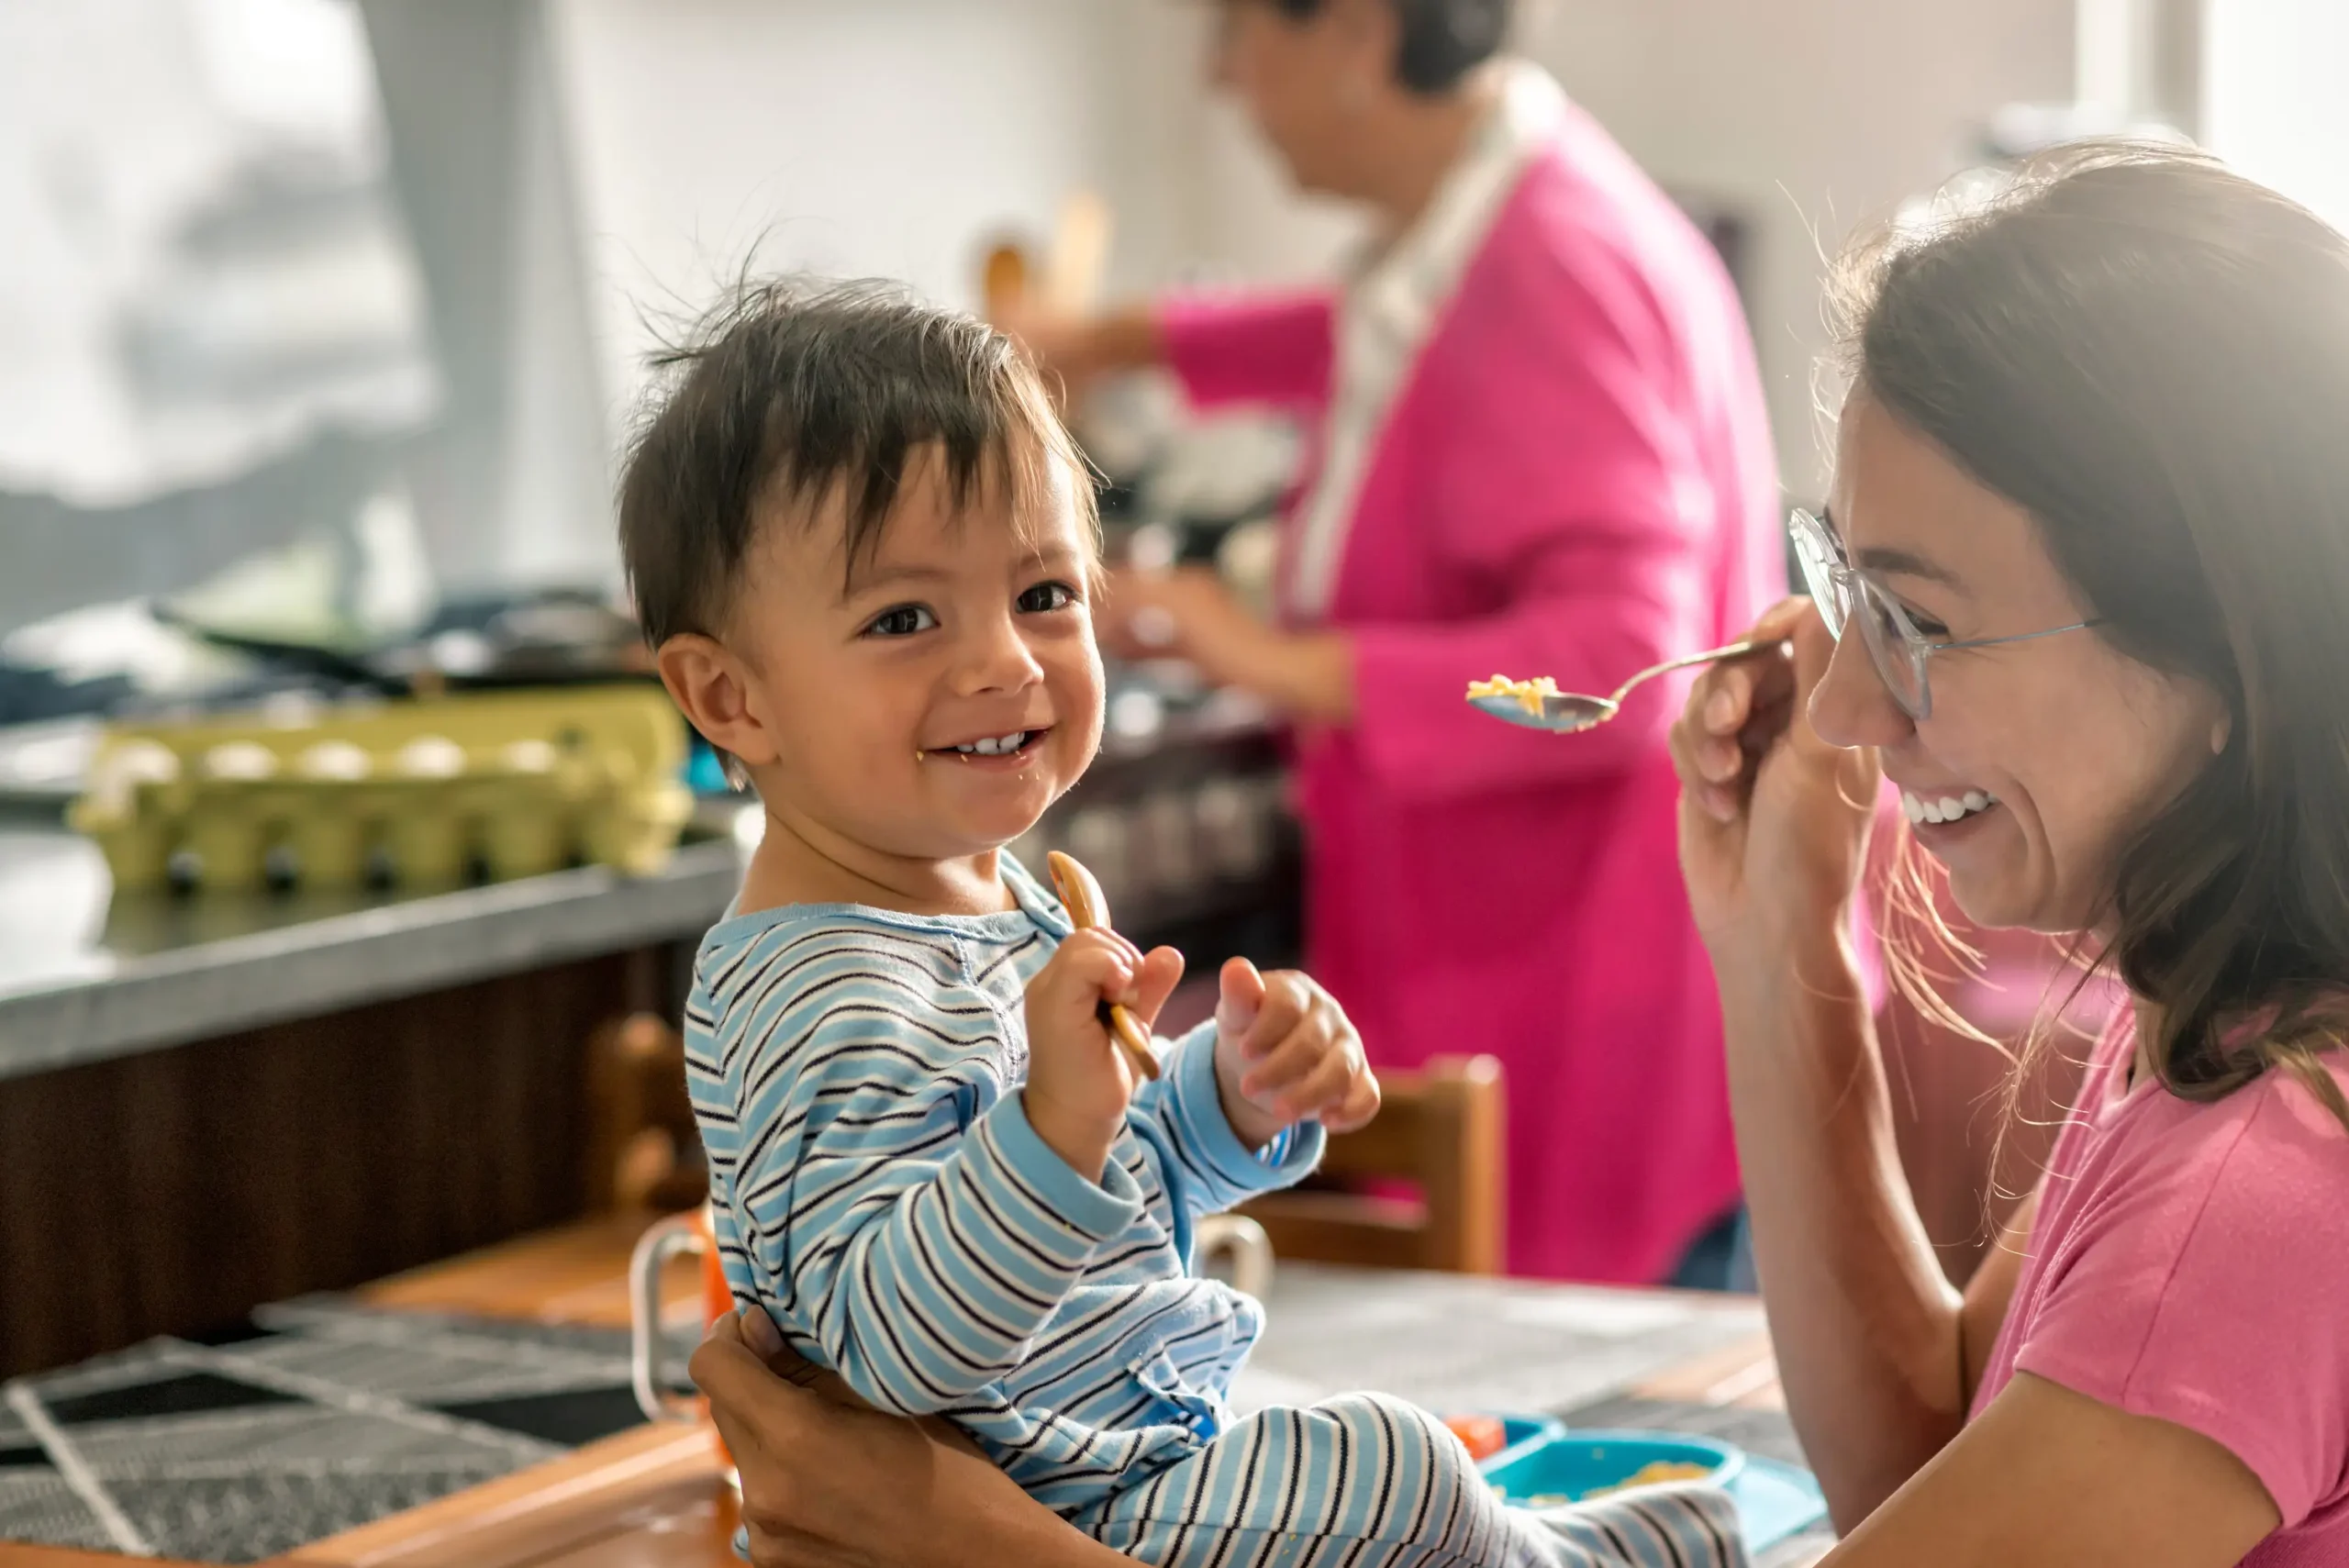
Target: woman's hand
{"type": "Point", "coordinates": [1190, 614]}
{"type": "Point", "coordinates": [1774, 821]}
{"type": "Point", "coordinates": [826, 1483]}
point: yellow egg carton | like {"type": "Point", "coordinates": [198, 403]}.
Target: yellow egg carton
{"type": "Point", "coordinates": [522, 782]}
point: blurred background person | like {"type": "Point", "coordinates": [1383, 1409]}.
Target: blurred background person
{"type": "Point", "coordinates": [1539, 447]}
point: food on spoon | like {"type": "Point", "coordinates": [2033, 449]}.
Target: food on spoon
{"type": "Point", "coordinates": [1528, 693]}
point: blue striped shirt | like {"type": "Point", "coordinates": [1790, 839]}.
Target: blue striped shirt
{"type": "Point", "coordinates": [879, 1190]}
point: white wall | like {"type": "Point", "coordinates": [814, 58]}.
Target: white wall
{"type": "Point", "coordinates": [2273, 99]}
{"type": "Point", "coordinates": [1813, 117]}
{"type": "Point", "coordinates": [885, 137]}
{"type": "Point", "coordinates": [892, 136]}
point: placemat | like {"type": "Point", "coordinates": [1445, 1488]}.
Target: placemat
{"type": "Point", "coordinates": [319, 1416]}
{"type": "Point", "coordinates": [315, 1417]}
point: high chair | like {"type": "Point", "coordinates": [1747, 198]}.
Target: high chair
{"type": "Point", "coordinates": [1439, 1129]}
{"type": "Point", "coordinates": [643, 1150]}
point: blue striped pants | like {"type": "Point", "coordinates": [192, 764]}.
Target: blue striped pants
{"type": "Point", "coordinates": [1364, 1482]}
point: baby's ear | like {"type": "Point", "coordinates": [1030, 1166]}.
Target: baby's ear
{"type": "Point", "coordinates": [712, 689]}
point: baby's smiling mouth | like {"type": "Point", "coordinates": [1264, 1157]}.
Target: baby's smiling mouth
{"type": "Point", "coordinates": [1011, 743]}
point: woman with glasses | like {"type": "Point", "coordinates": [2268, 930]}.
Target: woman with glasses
{"type": "Point", "coordinates": [2091, 518]}
{"type": "Point", "coordinates": [2090, 525]}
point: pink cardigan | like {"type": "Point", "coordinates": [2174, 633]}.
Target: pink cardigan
{"type": "Point", "coordinates": [1576, 481]}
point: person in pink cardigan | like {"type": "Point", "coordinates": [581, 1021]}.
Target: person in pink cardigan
{"type": "Point", "coordinates": [1539, 450]}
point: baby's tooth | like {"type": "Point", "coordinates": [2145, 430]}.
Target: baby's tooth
{"type": "Point", "coordinates": [1912, 808]}
{"type": "Point", "coordinates": [1952, 808]}
{"type": "Point", "coordinates": [1976, 801]}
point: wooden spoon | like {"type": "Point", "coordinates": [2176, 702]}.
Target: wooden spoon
{"type": "Point", "coordinates": [1081, 897]}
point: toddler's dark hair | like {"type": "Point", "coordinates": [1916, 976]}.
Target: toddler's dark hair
{"type": "Point", "coordinates": [795, 392]}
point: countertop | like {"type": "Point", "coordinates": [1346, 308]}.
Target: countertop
{"type": "Point", "coordinates": [85, 976]}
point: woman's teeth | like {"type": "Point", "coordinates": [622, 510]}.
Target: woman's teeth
{"type": "Point", "coordinates": [1945, 808]}
{"type": "Point", "coordinates": [996, 746]}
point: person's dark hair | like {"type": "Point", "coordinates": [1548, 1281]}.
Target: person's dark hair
{"type": "Point", "coordinates": [792, 394]}
{"type": "Point", "coordinates": [2150, 355]}
{"type": "Point", "coordinates": [1442, 39]}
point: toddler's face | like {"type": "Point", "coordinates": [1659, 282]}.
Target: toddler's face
{"type": "Point", "coordinates": [953, 692]}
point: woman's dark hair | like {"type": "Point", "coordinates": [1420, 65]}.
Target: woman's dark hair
{"type": "Point", "coordinates": [795, 392]}
{"type": "Point", "coordinates": [1442, 39]}
{"type": "Point", "coordinates": [2150, 355]}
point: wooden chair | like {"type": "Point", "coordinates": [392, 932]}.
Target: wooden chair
{"type": "Point", "coordinates": [643, 1150]}
{"type": "Point", "coordinates": [1441, 1129]}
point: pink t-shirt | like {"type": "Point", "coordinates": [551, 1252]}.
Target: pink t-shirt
{"type": "Point", "coordinates": [2191, 1263]}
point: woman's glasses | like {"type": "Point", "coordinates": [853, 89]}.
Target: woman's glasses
{"type": "Point", "coordinates": [1899, 651]}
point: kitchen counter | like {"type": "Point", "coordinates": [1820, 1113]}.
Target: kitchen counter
{"type": "Point", "coordinates": [221, 1099]}
{"type": "Point", "coordinates": [84, 977]}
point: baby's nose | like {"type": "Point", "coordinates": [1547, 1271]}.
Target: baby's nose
{"type": "Point", "coordinates": [999, 660]}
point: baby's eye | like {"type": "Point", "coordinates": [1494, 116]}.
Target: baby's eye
{"type": "Point", "coordinates": [901, 621]}
{"type": "Point", "coordinates": [1045, 597]}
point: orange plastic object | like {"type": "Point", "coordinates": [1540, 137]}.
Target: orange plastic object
{"type": "Point", "coordinates": [1485, 1435]}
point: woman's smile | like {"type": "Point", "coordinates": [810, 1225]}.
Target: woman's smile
{"type": "Point", "coordinates": [1944, 807]}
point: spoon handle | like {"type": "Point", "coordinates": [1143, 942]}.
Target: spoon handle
{"type": "Point", "coordinates": [1710, 656]}
{"type": "Point", "coordinates": [1080, 895]}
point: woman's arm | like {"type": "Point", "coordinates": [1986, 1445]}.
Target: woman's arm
{"type": "Point", "coordinates": [1271, 349]}
{"type": "Point", "coordinates": [1865, 1328]}
{"type": "Point", "coordinates": [2048, 1478]}
{"type": "Point", "coordinates": [829, 1484]}
{"type": "Point", "coordinates": [1877, 1354]}
{"type": "Point", "coordinates": [1078, 351]}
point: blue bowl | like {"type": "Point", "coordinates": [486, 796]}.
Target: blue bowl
{"type": "Point", "coordinates": [1543, 1468]}
{"type": "Point", "coordinates": [1521, 1436]}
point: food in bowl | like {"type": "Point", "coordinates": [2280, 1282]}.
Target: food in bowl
{"type": "Point", "coordinates": [1654, 1473]}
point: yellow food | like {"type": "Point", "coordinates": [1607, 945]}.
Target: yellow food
{"type": "Point", "coordinates": [1528, 693]}
{"type": "Point", "coordinates": [1655, 1474]}
{"type": "Point", "coordinates": [1650, 1474]}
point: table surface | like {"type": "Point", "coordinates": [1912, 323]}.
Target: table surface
{"type": "Point", "coordinates": [656, 1496]}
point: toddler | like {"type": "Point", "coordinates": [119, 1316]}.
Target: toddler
{"type": "Point", "coordinates": [863, 548]}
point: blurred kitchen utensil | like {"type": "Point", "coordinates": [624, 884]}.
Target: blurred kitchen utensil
{"type": "Point", "coordinates": [1565, 713]}
{"type": "Point", "coordinates": [1003, 280]}
{"type": "Point", "coordinates": [1079, 258]}
{"type": "Point", "coordinates": [1068, 284]}
{"type": "Point", "coordinates": [1081, 895]}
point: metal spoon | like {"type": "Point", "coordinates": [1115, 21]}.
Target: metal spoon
{"type": "Point", "coordinates": [1563, 713]}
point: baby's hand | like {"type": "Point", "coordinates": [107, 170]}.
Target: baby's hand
{"type": "Point", "coordinates": [1285, 1051]}
{"type": "Point", "coordinates": [1079, 1083]}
